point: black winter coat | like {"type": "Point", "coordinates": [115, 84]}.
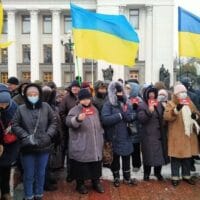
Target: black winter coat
{"type": "Point", "coordinates": [24, 124]}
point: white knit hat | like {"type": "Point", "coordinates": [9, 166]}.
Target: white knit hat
{"type": "Point", "coordinates": [179, 88]}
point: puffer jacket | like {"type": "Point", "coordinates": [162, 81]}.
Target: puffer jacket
{"type": "Point", "coordinates": [25, 121]}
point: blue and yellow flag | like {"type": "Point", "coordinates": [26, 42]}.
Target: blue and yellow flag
{"type": "Point", "coordinates": [189, 34]}
{"type": "Point", "coordinates": [105, 37]}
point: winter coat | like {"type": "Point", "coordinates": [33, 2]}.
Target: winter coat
{"type": "Point", "coordinates": [86, 137]}
{"type": "Point", "coordinates": [153, 151]}
{"type": "Point", "coordinates": [136, 135]}
{"type": "Point", "coordinates": [24, 123]}
{"type": "Point", "coordinates": [115, 125]}
{"type": "Point", "coordinates": [11, 151]}
{"type": "Point", "coordinates": [179, 144]}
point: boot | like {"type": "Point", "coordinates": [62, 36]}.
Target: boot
{"type": "Point", "coordinates": [157, 173]}
{"type": "Point", "coordinates": [97, 186]}
{"type": "Point", "coordinates": [80, 187]}
{"type": "Point", "coordinates": [147, 171]}
{"type": "Point", "coordinates": [127, 178]}
{"type": "Point", "coordinates": [116, 177]}
{"type": "Point", "coordinates": [6, 197]}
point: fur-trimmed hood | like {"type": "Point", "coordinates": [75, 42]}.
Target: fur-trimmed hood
{"type": "Point", "coordinates": [112, 92]}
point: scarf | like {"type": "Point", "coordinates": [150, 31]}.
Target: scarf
{"type": "Point", "coordinates": [189, 123]}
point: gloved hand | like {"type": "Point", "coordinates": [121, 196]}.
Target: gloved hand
{"type": "Point", "coordinates": [179, 107]}
{"type": "Point", "coordinates": [194, 116]}
{"type": "Point", "coordinates": [135, 106]}
{"type": "Point", "coordinates": [1, 150]}
{"type": "Point", "coordinates": [124, 116]}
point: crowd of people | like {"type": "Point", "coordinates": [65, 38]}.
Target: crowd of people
{"type": "Point", "coordinates": [44, 129]}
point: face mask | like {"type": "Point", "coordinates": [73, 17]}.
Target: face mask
{"type": "Point", "coordinates": [101, 95]}
{"type": "Point", "coordinates": [182, 95]}
{"type": "Point", "coordinates": [34, 99]}
{"type": "Point", "coordinates": [120, 98]}
{"type": "Point", "coordinates": [161, 98]}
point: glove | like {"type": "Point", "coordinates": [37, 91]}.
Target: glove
{"type": "Point", "coordinates": [193, 116]}
{"type": "Point", "coordinates": [1, 150]}
{"type": "Point", "coordinates": [179, 107]}
{"type": "Point", "coordinates": [135, 106]}
{"type": "Point", "coordinates": [124, 116]}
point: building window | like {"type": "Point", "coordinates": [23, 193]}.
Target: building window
{"type": "Point", "coordinates": [26, 76]}
{"type": "Point", "coordinates": [47, 24]}
{"type": "Point", "coordinates": [134, 18]}
{"type": "Point", "coordinates": [68, 56]}
{"type": "Point", "coordinates": [26, 24]}
{"type": "Point", "coordinates": [26, 53]}
{"type": "Point", "coordinates": [47, 76]}
{"type": "Point", "coordinates": [68, 77]}
{"type": "Point", "coordinates": [4, 77]}
{"type": "Point", "coordinates": [47, 54]}
{"type": "Point", "coordinates": [67, 24]}
{"type": "Point", "coordinates": [4, 56]}
{"type": "Point", "coordinates": [5, 24]}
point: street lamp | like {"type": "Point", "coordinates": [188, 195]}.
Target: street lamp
{"type": "Point", "coordinates": [69, 47]}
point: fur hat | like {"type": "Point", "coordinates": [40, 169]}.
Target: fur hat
{"type": "Point", "coordinates": [84, 94]}
{"type": "Point", "coordinates": [179, 88]}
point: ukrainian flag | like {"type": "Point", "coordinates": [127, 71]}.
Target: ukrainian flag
{"type": "Point", "coordinates": [105, 37]}
{"type": "Point", "coordinates": [189, 34]}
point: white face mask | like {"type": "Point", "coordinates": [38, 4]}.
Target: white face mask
{"type": "Point", "coordinates": [161, 98]}
{"type": "Point", "coordinates": [182, 95]}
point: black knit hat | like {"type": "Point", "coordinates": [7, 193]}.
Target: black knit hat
{"type": "Point", "coordinates": [13, 80]}
{"type": "Point", "coordinates": [84, 94]}
{"type": "Point", "coordinates": [75, 83]}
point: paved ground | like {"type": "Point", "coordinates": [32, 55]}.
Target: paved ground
{"type": "Point", "coordinates": [152, 190]}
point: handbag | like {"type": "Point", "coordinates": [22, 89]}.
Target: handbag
{"type": "Point", "coordinates": [107, 153]}
{"type": "Point", "coordinates": [8, 136]}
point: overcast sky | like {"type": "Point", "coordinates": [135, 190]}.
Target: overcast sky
{"type": "Point", "coordinates": [190, 5]}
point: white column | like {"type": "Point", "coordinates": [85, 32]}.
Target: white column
{"type": "Point", "coordinates": [57, 75]}
{"type": "Point", "coordinates": [149, 49]}
{"type": "Point", "coordinates": [12, 62]}
{"type": "Point", "coordinates": [34, 40]}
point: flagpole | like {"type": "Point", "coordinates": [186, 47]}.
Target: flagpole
{"type": "Point", "coordinates": [92, 72]}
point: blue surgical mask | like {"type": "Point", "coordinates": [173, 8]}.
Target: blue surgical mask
{"type": "Point", "coordinates": [182, 95]}
{"type": "Point", "coordinates": [33, 99]}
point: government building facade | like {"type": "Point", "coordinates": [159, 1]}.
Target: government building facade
{"type": "Point", "coordinates": [42, 47]}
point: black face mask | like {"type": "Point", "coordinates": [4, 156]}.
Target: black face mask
{"type": "Point", "coordinates": [101, 95]}
{"type": "Point", "coordinates": [120, 98]}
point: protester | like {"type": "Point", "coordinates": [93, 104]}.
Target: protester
{"type": "Point", "coordinates": [35, 126]}
{"type": "Point", "coordinates": [69, 101]}
{"type": "Point", "coordinates": [116, 113]}
{"type": "Point", "coordinates": [133, 90]}
{"type": "Point", "coordinates": [8, 150]}
{"type": "Point", "coordinates": [12, 84]}
{"type": "Point", "coordinates": [181, 115]}
{"type": "Point", "coordinates": [150, 116]}
{"type": "Point", "coordinates": [19, 98]}
{"type": "Point", "coordinates": [85, 143]}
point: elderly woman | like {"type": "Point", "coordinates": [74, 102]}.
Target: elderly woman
{"type": "Point", "coordinates": [181, 115]}
{"type": "Point", "coordinates": [35, 126]}
{"type": "Point", "coordinates": [85, 143]}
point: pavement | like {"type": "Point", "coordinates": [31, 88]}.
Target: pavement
{"type": "Point", "coordinates": [151, 190]}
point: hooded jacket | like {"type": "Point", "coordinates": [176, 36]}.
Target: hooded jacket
{"type": "Point", "coordinates": [25, 121]}
{"type": "Point", "coordinates": [116, 125]}
{"type": "Point", "coordinates": [10, 152]}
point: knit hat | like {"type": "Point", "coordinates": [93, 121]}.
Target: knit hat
{"type": "Point", "coordinates": [5, 96]}
{"type": "Point", "coordinates": [84, 94]}
{"type": "Point", "coordinates": [13, 80]}
{"type": "Point", "coordinates": [179, 88]}
{"type": "Point", "coordinates": [75, 83]}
